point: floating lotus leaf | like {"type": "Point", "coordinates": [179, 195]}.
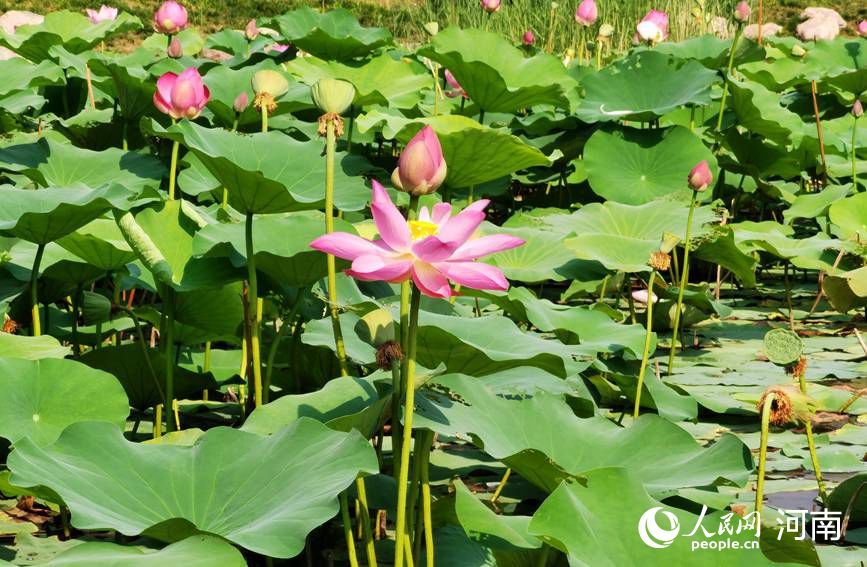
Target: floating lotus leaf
{"type": "Point", "coordinates": [335, 34]}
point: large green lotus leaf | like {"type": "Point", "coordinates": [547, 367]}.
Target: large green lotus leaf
{"type": "Point", "coordinates": [762, 158]}
{"type": "Point", "coordinates": [465, 143]}
{"type": "Point", "coordinates": [488, 528]}
{"type": "Point", "coordinates": [817, 252]}
{"type": "Point", "coordinates": [622, 237]}
{"type": "Point", "coordinates": [31, 348]}
{"type": "Point", "coordinates": [101, 244]}
{"type": "Point", "coordinates": [196, 309]}
{"type": "Point", "coordinates": [758, 110]}
{"type": "Point", "coordinates": [719, 247]}
{"type": "Point", "coordinates": [511, 430]}
{"type": "Point", "coordinates": [335, 34]}
{"type": "Point", "coordinates": [42, 397]}
{"type": "Point", "coordinates": [20, 74]}
{"type": "Point", "coordinates": [128, 364]}
{"type": "Point", "coordinates": [71, 30]}
{"type": "Point", "coordinates": [579, 519]}
{"type": "Point", "coordinates": [850, 215]}
{"type": "Point", "coordinates": [847, 290]}
{"type": "Point", "coordinates": [711, 51]}
{"type": "Point", "coordinates": [496, 75]}
{"type": "Point", "coordinates": [262, 493]}
{"type": "Point", "coordinates": [288, 260]}
{"type": "Point", "coordinates": [128, 83]}
{"type": "Point", "coordinates": [643, 86]}
{"type": "Point", "coordinates": [814, 205]}
{"type": "Point", "coordinates": [44, 215]}
{"type": "Point", "coordinates": [542, 257]}
{"type": "Point", "coordinates": [195, 551]}
{"type": "Point", "coordinates": [634, 166]}
{"type": "Point", "coordinates": [382, 80]}
{"type": "Point", "coordinates": [48, 162]}
{"type": "Point", "coordinates": [270, 172]}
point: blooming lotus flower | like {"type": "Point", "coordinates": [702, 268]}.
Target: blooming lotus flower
{"type": "Point", "coordinates": [586, 13]}
{"type": "Point", "coordinates": [700, 176]}
{"type": "Point", "coordinates": [820, 23]}
{"type": "Point", "coordinates": [251, 31]}
{"type": "Point", "coordinates": [104, 14]}
{"type": "Point", "coordinates": [170, 18]}
{"type": "Point", "coordinates": [175, 50]}
{"type": "Point", "coordinates": [432, 250]}
{"type": "Point", "coordinates": [181, 96]}
{"type": "Point", "coordinates": [529, 37]}
{"type": "Point", "coordinates": [421, 168]}
{"type": "Point", "coordinates": [862, 28]}
{"type": "Point", "coordinates": [742, 12]}
{"type": "Point", "coordinates": [490, 6]}
{"type": "Point", "coordinates": [456, 88]}
{"type": "Point", "coordinates": [653, 27]}
{"type": "Point", "coordinates": [769, 29]}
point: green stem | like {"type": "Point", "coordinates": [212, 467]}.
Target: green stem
{"type": "Point", "coordinates": [253, 300]}
{"type": "Point", "coordinates": [403, 476]}
{"type": "Point", "coordinates": [272, 352]}
{"type": "Point", "coordinates": [854, 169]}
{"type": "Point", "coordinates": [347, 530]}
{"type": "Point", "coordinates": [814, 457]}
{"type": "Point", "coordinates": [168, 341]}
{"type": "Point", "coordinates": [206, 367]}
{"type": "Point", "coordinates": [542, 561]}
{"type": "Point", "coordinates": [144, 348]}
{"type": "Point", "coordinates": [124, 140]}
{"type": "Point", "coordinates": [34, 290]}
{"type": "Point", "coordinates": [173, 170]}
{"type": "Point", "coordinates": [396, 427]}
{"type": "Point", "coordinates": [330, 148]}
{"type": "Point", "coordinates": [76, 341]}
{"type": "Point", "coordinates": [647, 339]}
{"type": "Point", "coordinates": [365, 522]}
{"type": "Point", "coordinates": [684, 277]}
{"type": "Point", "coordinates": [501, 486]}
{"type": "Point", "coordinates": [264, 118]}
{"type": "Point", "coordinates": [424, 477]}
{"type": "Point", "coordinates": [725, 93]}
{"type": "Point", "coordinates": [763, 450]}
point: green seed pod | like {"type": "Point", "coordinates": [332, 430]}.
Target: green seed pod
{"type": "Point", "coordinates": [333, 95]}
{"type": "Point", "coordinates": [783, 347]}
{"type": "Point", "coordinates": [270, 82]}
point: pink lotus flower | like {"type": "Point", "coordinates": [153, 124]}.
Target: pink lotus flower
{"type": "Point", "coordinates": [820, 23]}
{"type": "Point", "coordinates": [456, 88]}
{"type": "Point", "coordinates": [276, 47]}
{"type": "Point", "coordinates": [421, 168]}
{"type": "Point", "coordinates": [653, 27]}
{"type": "Point", "coordinates": [181, 96]}
{"type": "Point", "coordinates": [242, 101]}
{"type": "Point", "coordinates": [700, 176]}
{"type": "Point", "coordinates": [857, 109]}
{"type": "Point", "coordinates": [104, 14]}
{"type": "Point", "coordinates": [641, 296]}
{"type": "Point", "coordinates": [742, 12]}
{"type": "Point", "coordinates": [529, 37]}
{"type": "Point", "coordinates": [432, 250]}
{"type": "Point", "coordinates": [490, 6]}
{"type": "Point", "coordinates": [252, 30]}
{"type": "Point", "coordinates": [170, 18]}
{"type": "Point", "coordinates": [586, 13]}
{"type": "Point", "coordinates": [862, 28]}
{"type": "Point", "coordinates": [175, 50]}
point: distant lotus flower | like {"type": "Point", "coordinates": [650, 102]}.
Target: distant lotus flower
{"type": "Point", "coordinates": [857, 109]}
{"type": "Point", "coordinates": [490, 6]}
{"type": "Point", "coordinates": [653, 27]}
{"type": "Point", "coordinates": [586, 13]}
{"type": "Point", "coordinates": [251, 31]}
{"type": "Point", "coordinates": [820, 23]}
{"type": "Point", "coordinates": [606, 30]}
{"type": "Point", "coordinates": [529, 37]}
{"type": "Point", "coordinates": [742, 12]}
{"type": "Point", "coordinates": [641, 296]}
{"type": "Point", "coordinates": [421, 168]}
{"type": "Point", "coordinates": [278, 47]}
{"type": "Point", "coordinates": [700, 176]}
{"type": "Point", "coordinates": [175, 50]}
{"type": "Point", "coordinates": [769, 29]}
{"type": "Point", "coordinates": [242, 101]}
{"type": "Point", "coordinates": [432, 250]}
{"type": "Point", "coordinates": [170, 18]}
{"type": "Point", "coordinates": [456, 88]}
{"type": "Point", "coordinates": [862, 28]}
{"type": "Point", "coordinates": [104, 14]}
{"type": "Point", "coordinates": [181, 96]}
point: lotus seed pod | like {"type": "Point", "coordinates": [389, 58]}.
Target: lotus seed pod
{"type": "Point", "coordinates": [333, 95]}
{"type": "Point", "coordinates": [790, 405]}
{"type": "Point", "coordinates": [270, 82]}
{"type": "Point", "coordinates": [783, 347]}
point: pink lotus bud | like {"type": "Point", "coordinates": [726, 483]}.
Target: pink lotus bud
{"type": "Point", "coordinates": [857, 109]}
{"type": "Point", "coordinates": [742, 12]}
{"type": "Point", "coordinates": [421, 168]}
{"type": "Point", "coordinates": [456, 88]}
{"type": "Point", "coordinates": [653, 27]}
{"type": "Point", "coordinates": [586, 13]}
{"type": "Point", "coordinates": [529, 37]}
{"type": "Point", "coordinates": [242, 101]}
{"type": "Point", "coordinates": [181, 96]}
{"type": "Point", "coordinates": [700, 176]}
{"type": "Point", "coordinates": [170, 18]}
{"type": "Point", "coordinates": [491, 6]}
{"type": "Point", "coordinates": [862, 28]}
{"type": "Point", "coordinates": [175, 50]}
{"type": "Point", "coordinates": [251, 31]}
{"type": "Point", "coordinates": [276, 47]}
{"type": "Point", "coordinates": [104, 14]}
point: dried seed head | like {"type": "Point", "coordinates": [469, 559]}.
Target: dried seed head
{"type": "Point", "coordinates": [660, 261]}
{"type": "Point", "coordinates": [9, 325]}
{"type": "Point", "coordinates": [798, 368]}
{"type": "Point", "coordinates": [790, 405]}
{"type": "Point", "coordinates": [387, 353]}
{"type": "Point", "coordinates": [323, 124]}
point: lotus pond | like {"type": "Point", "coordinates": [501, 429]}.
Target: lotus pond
{"type": "Point", "coordinates": [299, 294]}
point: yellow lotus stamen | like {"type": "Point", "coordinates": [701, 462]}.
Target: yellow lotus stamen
{"type": "Point", "coordinates": [422, 229]}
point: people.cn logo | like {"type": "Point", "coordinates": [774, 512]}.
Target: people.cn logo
{"type": "Point", "coordinates": [654, 535]}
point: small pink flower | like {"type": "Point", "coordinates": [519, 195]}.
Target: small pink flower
{"type": "Point", "coordinates": [700, 176]}
{"type": "Point", "coordinates": [641, 296]}
{"type": "Point", "coordinates": [857, 109]}
{"type": "Point", "coordinates": [862, 28]}
{"type": "Point", "coordinates": [104, 14]}
{"type": "Point", "coordinates": [252, 30]}
{"type": "Point", "coordinates": [653, 27]}
{"type": "Point", "coordinates": [170, 18]}
{"type": "Point", "coordinates": [421, 168]}
{"type": "Point", "coordinates": [490, 6]}
{"type": "Point", "coordinates": [181, 96]}
{"type": "Point", "coordinates": [175, 50]}
{"type": "Point", "coordinates": [586, 13]}
{"type": "Point", "coordinates": [529, 37]}
{"type": "Point", "coordinates": [742, 12]}
{"type": "Point", "coordinates": [242, 101]}
{"type": "Point", "coordinates": [432, 250]}
{"type": "Point", "coordinates": [456, 88]}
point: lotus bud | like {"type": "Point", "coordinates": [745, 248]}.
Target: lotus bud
{"type": "Point", "coordinates": [175, 50]}
{"type": "Point", "coordinates": [606, 30]}
{"type": "Point", "coordinates": [529, 37]}
{"type": "Point", "coordinates": [586, 13]}
{"type": "Point", "coordinates": [491, 6]}
{"type": "Point", "coordinates": [790, 405]}
{"type": "Point", "coordinates": [700, 176]}
{"type": "Point", "coordinates": [862, 28]}
{"type": "Point", "coordinates": [669, 241]}
{"type": "Point", "coordinates": [432, 28]}
{"type": "Point", "coordinates": [268, 85]}
{"type": "Point", "coordinates": [387, 354]}
{"type": "Point", "coordinates": [742, 12]}
{"type": "Point", "coordinates": [242, 101]}
{"type": "Point", "coordinates": [798, 51]}
{"type": "Point", "coordinates": [170, 18]}
{"type": "Point", "coordinates": [857, 109]}
{"type": "Point", "coordinates": [333, 96]}
{"type": "Point", "coordinates": [421, 168]}
{"type": "Point", "coordinates": [251, 31]}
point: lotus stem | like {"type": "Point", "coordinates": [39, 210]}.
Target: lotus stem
{"type": "Point", "coordinates": [648, 337]}
{"type": "Point", "coordinates": [424, 464]}
{"type": "Point", "coordinates": [501, 486]}
{"type": "Point", "coordinates": [542, 561]}
{"type": "Point", "coordinates": [255, 317]}
{"type": "Point", "coordinates": [854, 161]}
{"type": "Point", "coordinates": [854, 398]}
{"type": "Point", "coordinates": [725, 93]}
{"type": "Point", "coordinates": [158, 421]}
{"type": "Point", "coordinates": [124, 140]}
{"type": "Point", "coordinates": [761, 20]}
{"type": "Point", "coordinates": [330, 147]}
{"type": "Point", "coordinates": [89, 86]}
{"type": "Point", "coordinates": [684, 278]}
{"type": "Point", "coordinates": [763, 450]}
{"type": "Point", "coordinates": [819, 129]}
{"type": "Point", "coordinates": [272, 352]}
{"type": "Point", "coordinates": [365, 522]}
{"type": "Point", "coordinates": [76, 342]}
{"type": "Point", "coordinates": [144, 347]}
{"type": "Point", "coordinates": [34, 290]}
{"type": "Point", "coordinates": [396, 427]}
{"type": "Point", "coordinates": [206, 367]}
{"type": "Point", "coordinates": [347, 530]}
{"type": "Point", "coordinates": [173, 169]}
{"type": "Point", "coordinates": [409, 404]}
{"type": "Point", "coordinates": [168, 341]}
{"type": "Point", "coordinates": [264, 118]}
{"type": "Point", "coordinates": [789, 295]}
{"type": "Point", "coordinates": [814, 457]}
